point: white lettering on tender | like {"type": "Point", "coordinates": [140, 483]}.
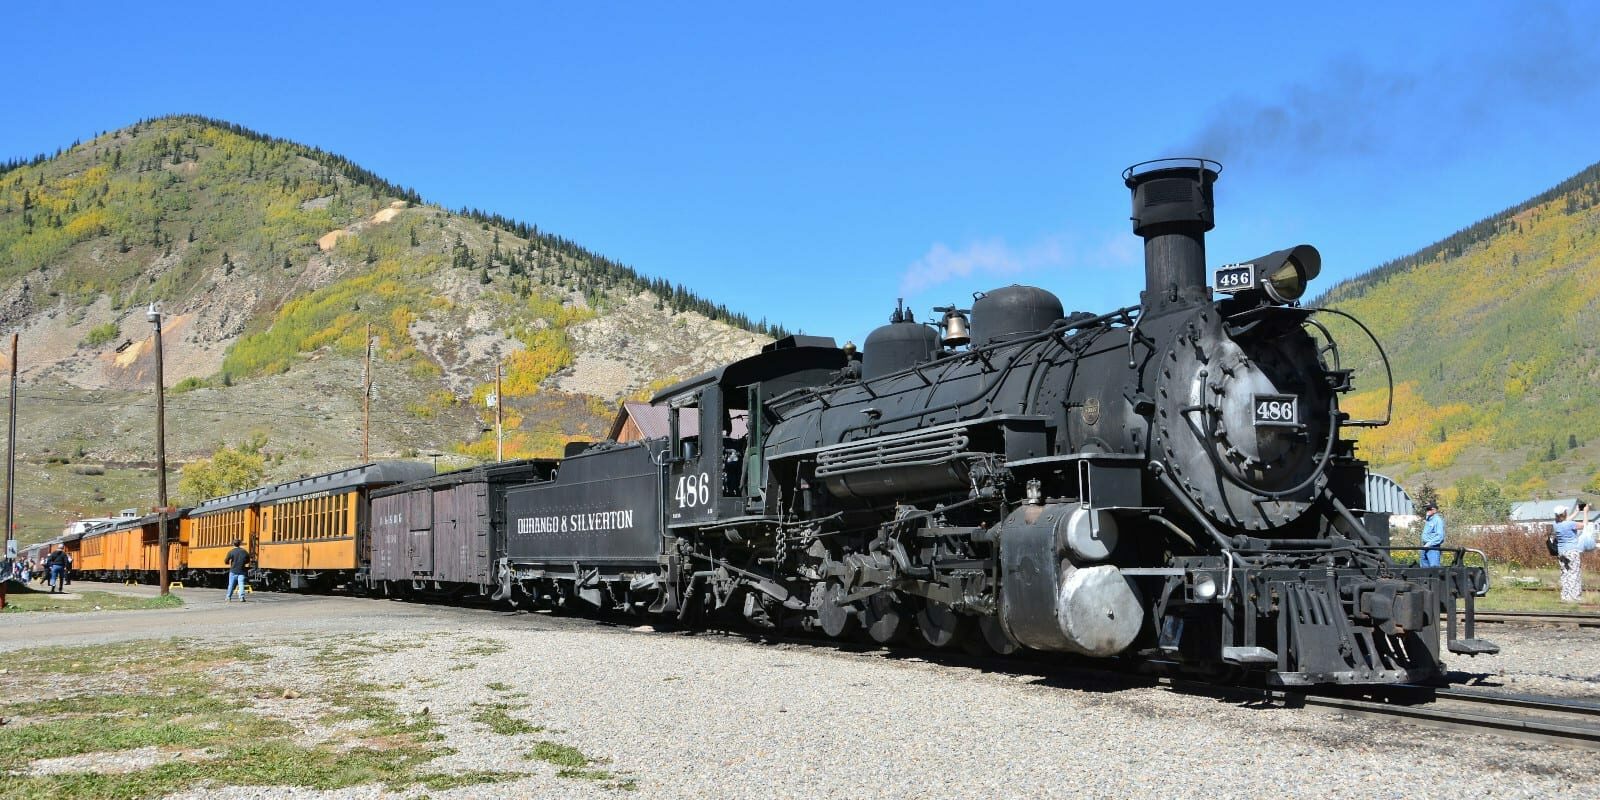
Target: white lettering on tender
{"type": "Point", "coordinates": [576, 523]}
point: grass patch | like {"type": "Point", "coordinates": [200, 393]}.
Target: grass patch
{"type": "Point", "coordinates": [1534, 590]}
{"type": "Point", "coordinates": [84, 601]}
{"type": "Point", "coordinates": [498, 719]}
{"type": "Point", "coordinates": [101, 335]}
{"type": "Point", "coordinates": [498, 686]}
{"type": "Point", "coordinates": [572, 763]}
{"type": "Point", "coordinates": [487, 647]}
{"type": "Point", "coordinates": [182, 695]}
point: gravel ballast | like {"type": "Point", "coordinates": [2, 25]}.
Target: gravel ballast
{"type": "Point", "coordinates": [707, 716]}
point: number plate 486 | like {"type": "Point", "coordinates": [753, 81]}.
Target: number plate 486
{"type": "Point", "coordinates": [1276, 409]}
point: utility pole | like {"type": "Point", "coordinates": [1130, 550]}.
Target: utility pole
{"type": "Point", "coordinates": [154, 316]}
{"type": "Point", "coordinates": [11, 463]}
{"type": "Point", "coordinates": [366, 401]}
{"type": "Point", "coordinates": [499, 431]}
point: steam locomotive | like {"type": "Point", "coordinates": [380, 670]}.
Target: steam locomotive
{"type": "Point", "coordinates": [1167, 483]}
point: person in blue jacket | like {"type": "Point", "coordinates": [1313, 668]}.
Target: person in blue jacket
{"type": "Point", "coordinates": [1569, 551]}
{"type": "Point", "coordinates": [1432, 537]}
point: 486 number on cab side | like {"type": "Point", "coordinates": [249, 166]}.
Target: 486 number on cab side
{"type": "Point", "coordinates": [693, 490]}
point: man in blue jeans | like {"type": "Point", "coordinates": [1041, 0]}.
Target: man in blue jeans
{"type": "Point", "coordinates": [1432, 537]}
{"type": "Point", "coordinates": [238, 561]}
{"type": "Point", "coordinates": [56, 562]}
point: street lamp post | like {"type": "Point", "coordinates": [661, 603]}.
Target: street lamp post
{"type": "Point", "coordinates": [154, 316]}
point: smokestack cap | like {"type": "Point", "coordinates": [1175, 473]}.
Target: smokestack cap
{"type": "Point", "coordinates": [1173, 192]}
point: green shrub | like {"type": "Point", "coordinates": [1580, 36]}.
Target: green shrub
{"type": "Point", "coordinates": [101, 335]}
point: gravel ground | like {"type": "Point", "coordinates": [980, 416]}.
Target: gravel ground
{"type": "Point", "coordinates": [1559, 660]}
{"type": "Point", "coordinates": [709, 716]}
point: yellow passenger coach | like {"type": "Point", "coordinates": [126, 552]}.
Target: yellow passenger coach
{"type": "Point", "coordinates": [312, 532]}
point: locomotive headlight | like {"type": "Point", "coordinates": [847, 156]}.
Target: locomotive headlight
{"type": "Point", "coordinates": [1288, 283]}
{"type": "Point", "coordinates": [1205, 586]}
{"type": "Point", "coordinates": [1281, 276]}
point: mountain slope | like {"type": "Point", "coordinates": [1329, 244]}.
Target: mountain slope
{"type": "Point", "coordinates": [1493, 334]}
{"type": "Point", "coordinates": [271, 259]}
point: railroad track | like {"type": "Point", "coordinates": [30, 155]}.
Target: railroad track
{"type": "Point", "coordinates": [1544, 719]}
{"type": "Point", "coordinates": [1581, 620]}
{"type": "Point", "coordinates": [1565, 721]}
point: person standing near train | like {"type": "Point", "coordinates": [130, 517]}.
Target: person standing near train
{"type": "Point", "coordinates": [238, 561]}
{"type": "Point", "coordinates": [1570, 553]}
{"type": "Point", "coordinates": [56, 563]}
{"type": "Point", "coordinates": [1432, 537]}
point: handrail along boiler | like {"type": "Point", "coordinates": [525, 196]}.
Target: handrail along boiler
{"type": "Point", "coordinates": [1166, 482]}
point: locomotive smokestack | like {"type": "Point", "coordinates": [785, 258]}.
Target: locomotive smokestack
{"type": "Point", "coordinates": [1172, 210]}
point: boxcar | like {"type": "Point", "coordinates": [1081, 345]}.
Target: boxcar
{"type": "Point", "coordinates": [313, 531]}
{"type": "Point", "coordinates": [441, 534]}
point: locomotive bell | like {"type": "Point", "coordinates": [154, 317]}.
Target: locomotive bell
{"type": "Point", "coordinates": [956, 332]}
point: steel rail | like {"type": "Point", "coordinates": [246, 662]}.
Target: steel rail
{"type": "Point", "coordinates": [1527, 701]}
{"type": "Point", "coordinates": [1427, 706]}
{"type": "Point", "coordinates": [1579, 619]}
{"type": "Point", "coordinates": [1578, 733]}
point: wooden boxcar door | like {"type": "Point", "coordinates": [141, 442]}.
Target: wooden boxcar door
{"type": "Point", "coordinates": [423, 519]}
{"type": "Point", "coordinates": [446, 530]}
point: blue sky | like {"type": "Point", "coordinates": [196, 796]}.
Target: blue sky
{"type": "Point", "coordinates": [812, 162]}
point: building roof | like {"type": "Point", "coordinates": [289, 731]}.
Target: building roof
{"type": "Point", "coordinates": [1386, 496]}
{"type": "Point", "coordinates": [1539, 510]}
{"type": "Point", "coordinates": [654, 423]}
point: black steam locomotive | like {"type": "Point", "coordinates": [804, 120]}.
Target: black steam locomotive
{"type": "Point", "coordinates": [1166, 482]}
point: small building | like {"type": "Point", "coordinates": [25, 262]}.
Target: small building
{"type": "Point", "coordinates": [637, 420]}
{"type": "Point", "coordinates": [1387, 497]}
{"type": "Point", "coordinates": [1529, 513]}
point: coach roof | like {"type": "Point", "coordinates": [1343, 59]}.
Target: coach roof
{"type": "Point", "coordinates": [380, 473]}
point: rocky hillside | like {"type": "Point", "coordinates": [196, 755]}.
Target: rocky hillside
{"type": "Point", "coordinates": [271, 260]}
{"type": "Point", "coordinates": [1494, 335]}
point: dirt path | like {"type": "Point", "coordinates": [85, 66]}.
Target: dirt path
{"type": "Point", "coordinates": [205, 614]}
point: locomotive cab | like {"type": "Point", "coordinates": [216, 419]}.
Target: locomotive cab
{"type": "Point", "coordinates": [717, 427]}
